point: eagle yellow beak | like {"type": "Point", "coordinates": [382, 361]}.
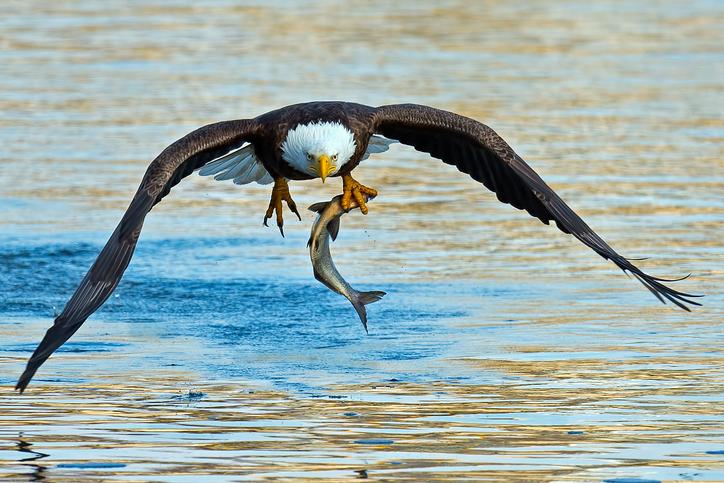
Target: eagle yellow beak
{"type": "Point", "coordinates": [324, 168]}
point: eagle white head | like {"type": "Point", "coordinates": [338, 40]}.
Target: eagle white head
{"type": "Point", "coordinates": [319, 149]}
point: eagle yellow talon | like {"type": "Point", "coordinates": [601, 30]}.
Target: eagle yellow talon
{"type": "Point", "coordinates": [352, 188]}
{"type": "Point", "coordinates": [280, 192]}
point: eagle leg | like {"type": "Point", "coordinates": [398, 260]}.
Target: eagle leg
{"type": "Point", "coordinates": [353, 188]}
{"type": "Point", "coordinates": [280, 192]}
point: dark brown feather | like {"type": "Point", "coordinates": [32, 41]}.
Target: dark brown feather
{"type": "Point", "coordinates": [477, 150]}
{"type": "Point", "coordinates": [178, 160]}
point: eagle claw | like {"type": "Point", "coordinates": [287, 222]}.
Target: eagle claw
{"type": "Point", "coordinates": [351, 188]}
{"type": "Point", "coordinates": [280, 192]}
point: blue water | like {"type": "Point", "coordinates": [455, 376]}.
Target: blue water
{"type": "Point", "coordinates": [504, 349]}
{"type": "Point", "coordinates": [239, 321]}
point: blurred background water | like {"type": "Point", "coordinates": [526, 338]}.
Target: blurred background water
{"type": "Point", "coordinates": [504, 350]}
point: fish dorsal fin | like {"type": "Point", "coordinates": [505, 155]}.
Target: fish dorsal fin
{"type": "Point", "coordinates": [318, 207]}
{"type": "Point", "coordinates": [333, 228]}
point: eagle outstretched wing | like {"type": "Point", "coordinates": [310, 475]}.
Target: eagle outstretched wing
{"type": "Point", "coordinates": [176, 162]}
{"type": "Point", "coordinates": [477, 150]}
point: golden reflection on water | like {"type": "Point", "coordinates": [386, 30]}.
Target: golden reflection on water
{"type": "Point", "coordinates": [617, 104]}
{"type": "Point", "coordinates": [391, 429]}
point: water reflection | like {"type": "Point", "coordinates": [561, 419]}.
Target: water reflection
{"type": "Point", "coordinates": [504, 350]}
{"type": "Point", "coordinates": [38, 471]}
{"type": "Point", "coordinates": [24, 447]}
{"type": "Point", "coordinates": [456, 430]}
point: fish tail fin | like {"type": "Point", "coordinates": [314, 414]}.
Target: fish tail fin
{"type": "Point", "coordinates": [372, 296]}
{"type": "Point", "coordinates": [360, 299]}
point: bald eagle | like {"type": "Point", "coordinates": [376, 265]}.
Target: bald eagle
{"type": "Point", "coordinates": [322, 140]}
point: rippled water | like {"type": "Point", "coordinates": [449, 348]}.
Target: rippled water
{"type": "Point", "coordinates": [504, 350]}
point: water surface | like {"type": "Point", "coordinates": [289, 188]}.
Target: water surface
{"type": "Point", "coordinates": [504, 350]}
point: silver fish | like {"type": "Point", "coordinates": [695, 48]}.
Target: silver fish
{"type": "Point", "coordinates": [325, 226]}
